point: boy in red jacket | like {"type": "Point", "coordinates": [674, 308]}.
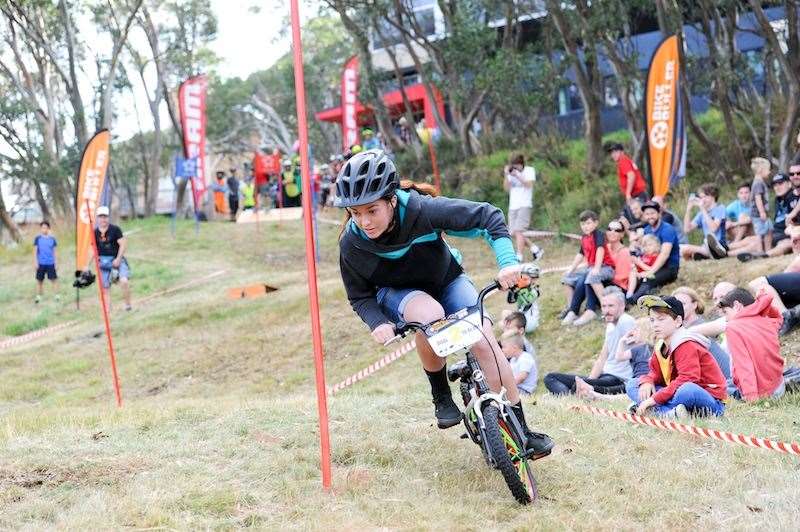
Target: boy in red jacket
{"type": "Point", "coordinates": [684, 378]}
{"type": "Point", "coordinates": [752, 335]}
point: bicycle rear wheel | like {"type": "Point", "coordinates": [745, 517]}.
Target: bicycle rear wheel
{"type": "Point", "coordinates": [506, 448]}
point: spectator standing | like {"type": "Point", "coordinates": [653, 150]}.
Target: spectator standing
{"type": "Point", "coordinates": [522, 362]}
{"type": "Point", "coordinates": [518, 182]}
{"type": "Point", "coordinates": [584, 279]}
{"type": "Point", "coordinates": [760, 208]}
{"type": "Point", "coordinates": [711, 220]}
{"type": "Point", "coordinates": [684, 378]}
{"type": "Point", "coordinates": [233, 194]}
{"type": "Point", "coordinates": [665, 269]}
{"type": "Point", "coordinates": [611, 369]}
{"type": "Point", "coordinates": [248, 194]}
{"type": "Point", "coordinates": [44, 252]}
{"type": "Point", "coordinates": [738, 212]}
{"type": "Point", "coordinates": [111, 247]}
{"type": "Point", "coordinates": [631, 182]}
{"type": "Point", "coordinates": [220, 193]}
{"type": "Point", "coordinates": [369, 141]}
{"type": "Point", "coordinates": [787, 212]}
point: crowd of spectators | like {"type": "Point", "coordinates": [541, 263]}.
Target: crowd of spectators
{"type": "Point", "coordinates": [675, 362]}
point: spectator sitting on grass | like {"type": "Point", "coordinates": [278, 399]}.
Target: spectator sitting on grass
{"type": "Point", "coordinates": [684, 378]}
{"type": "Point", "coordinates": [693, 310]}
{"type": "Point", "coordinates": [671, 218]}
{"type": "Point", "coordinates": [592, 267]}
{"type": "Point", "coordinates": [522, 362]}
{"type": "Point", "coordinates": [636, 347]}
{"type": "Point", "coordinates": [785, 290]}
{"type": "Point", "coordinates": [516, 323]}
{"type": "Point", "coordinates": [623, 262]}
{"type": "Point", "coordinates": [751, 332]}
{"type": "Point", "coordinates": [738, 212]}
{"type": "Point", "coordinates": [651, 247]}
{"type": "Point", "coordinates": [611, 369]}
{"type": "Point", "coordinates": [787, 213]}
{"type": "Point", "coordinates": [710, 219]}
{"type": "Point", "coordinates": [665, 269]}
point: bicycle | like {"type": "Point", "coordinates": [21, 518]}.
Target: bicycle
{"type": "Point", "coordinates": [487, 416]}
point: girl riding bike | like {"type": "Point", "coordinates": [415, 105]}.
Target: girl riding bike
{"type": "Point", "coordinates": [396, 267]}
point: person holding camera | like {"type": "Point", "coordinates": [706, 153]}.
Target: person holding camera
{"type": "Point", "coordinates": [711, 220]}
{"type": "Point", "coordinates": [111, 246]}
{"type": "Point", "coordinates": [518, 182]}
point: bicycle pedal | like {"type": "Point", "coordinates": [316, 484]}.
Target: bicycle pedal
{"type": "Point", "coordinates": [464, 436]}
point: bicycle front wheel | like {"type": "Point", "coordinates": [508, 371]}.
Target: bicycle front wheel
{"type": "Point", "coordinates": [506, 448]}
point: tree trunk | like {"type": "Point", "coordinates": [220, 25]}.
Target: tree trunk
{"type": "Point", "coordinates": [8, 222]}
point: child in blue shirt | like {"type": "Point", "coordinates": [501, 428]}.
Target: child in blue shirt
{"type": "Point", "coordinates": [44, 246]}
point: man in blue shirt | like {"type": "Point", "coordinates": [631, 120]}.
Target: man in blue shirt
{"type": "Point", "coordinates": [738, 211]}
{"type": "Point", "coordinates": [44, 246]}
{"type": "Point", "coordinates": [711, 219]}
{"type": "Point", "coordinates": [665, 269]}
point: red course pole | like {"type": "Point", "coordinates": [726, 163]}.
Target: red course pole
{"type": "Point", "coordinates": [313, 296]}
{"type": "Point", "coordinates": [436, 176]}
{"type": "Point", "coordinates": [105, 308]}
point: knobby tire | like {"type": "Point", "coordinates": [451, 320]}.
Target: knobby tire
{"type": "Point", "coordinates": [503, 446]}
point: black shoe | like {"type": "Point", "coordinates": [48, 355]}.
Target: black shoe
{"type": "Point", "coordinates": [447, 413]}
{"type": "Point", "coordinates": [747, 257]}
{"type": "Point", "coordinates": [563, 314]}
{"type": "Point", "coordinates": [716, 249]}
{"type": "Point", "coordinates": [791, 319]}
{"type": "Point", "coordinates": [698, 256]}
{"type": "Point", "coordinates": [540, 444]}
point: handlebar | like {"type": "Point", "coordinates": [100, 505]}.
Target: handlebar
{"type": "Point", "coordinates": [529, 273]}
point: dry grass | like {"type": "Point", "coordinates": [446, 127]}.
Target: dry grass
{"type": "Point", "coordinates": [219, 424]}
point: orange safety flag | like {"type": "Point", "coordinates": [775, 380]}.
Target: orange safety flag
{"type": "Point", "coordinates": [91, 179]}
{"type": "Point", "coordinates": [666, 131]}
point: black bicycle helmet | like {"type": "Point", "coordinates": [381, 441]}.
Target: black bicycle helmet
{"type": "Point", "coordinates": [366, 177]}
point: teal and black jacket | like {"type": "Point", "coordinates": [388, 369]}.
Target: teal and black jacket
{"type": "Point", "coordinates": [414, 254]}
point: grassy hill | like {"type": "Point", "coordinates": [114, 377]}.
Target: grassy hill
{"type": "Point", "coordinates": [218, 427]}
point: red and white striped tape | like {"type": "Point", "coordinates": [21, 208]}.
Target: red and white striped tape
{"type": "Point", "coordinates": [18, 340]}
{"type": "Point", "coordinates": [792, 448]}
{"type": "Point", "coordinates": [545, 234]}
{"type": "Point", "coordinates": [372, 368]}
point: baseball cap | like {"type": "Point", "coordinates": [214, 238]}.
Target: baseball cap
{"type": "Point", "coordinates": [670, 303]}
{"type": "Point", "coordinates": [102, 211]}
{"type": "Point", "coordinates": [780, 178]}
{"type": "Point", "coordinates": [651, 205]}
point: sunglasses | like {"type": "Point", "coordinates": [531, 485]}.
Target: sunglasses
{"type": "Point", "coordinates": [616, 229]}
{"type": "Point", "coordinates": [794, 173]}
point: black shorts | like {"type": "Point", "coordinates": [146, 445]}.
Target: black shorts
{"type": "Point", "coordinates": [788, 287]}
{"type": "Point", "coordinates": [46, 269]}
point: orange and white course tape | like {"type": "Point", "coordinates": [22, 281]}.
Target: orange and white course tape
{"type": "Point", "coordinates": [792, 448]}
{"type": "Point", "coordinates": [18, 340]}
{"type": "Point", "coordinates": [372, 368]}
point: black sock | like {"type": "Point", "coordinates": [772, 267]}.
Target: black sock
{"type": "Point", "coordinates": [517, 409]}
{"type": "Point", "coordinates": [438, 380]}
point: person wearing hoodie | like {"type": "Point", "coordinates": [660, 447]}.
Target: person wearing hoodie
{"type": "Point", "coordinates": [397, 267]}
{"type": "Point", "coordinates": [751, 332]}
{"type": "Point", "coordinates": [684, 378]}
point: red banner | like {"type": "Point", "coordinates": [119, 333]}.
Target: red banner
{"type": "Point", "coordinates": [350, 102]}
{"type": "Point", "coordinates": [192, 104]}
{"type": "Point", "coordinates": [91, 178]}
{"type": "Point", "coordinates": [265, 166]}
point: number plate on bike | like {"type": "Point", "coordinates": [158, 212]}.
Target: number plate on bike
{"type": "Point", "coordinates": [457, 336]}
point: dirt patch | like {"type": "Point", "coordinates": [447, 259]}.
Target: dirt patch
{"type": "Point", "coordinates": [47, 476]}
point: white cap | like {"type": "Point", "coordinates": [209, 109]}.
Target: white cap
{"type": "Point", "coordinates": [102, 211]}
